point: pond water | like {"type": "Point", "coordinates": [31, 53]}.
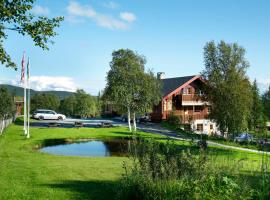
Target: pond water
{"type": "Point", "coordinates": [93, 148]}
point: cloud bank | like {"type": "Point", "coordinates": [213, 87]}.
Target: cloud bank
{"type": "Point", "coordinates": [59, 83]}
{"type": "Point", "coordinates": [76, 10]}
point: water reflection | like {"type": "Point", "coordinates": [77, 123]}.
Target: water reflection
{"type": "Point", "coordinates": [93, 148]}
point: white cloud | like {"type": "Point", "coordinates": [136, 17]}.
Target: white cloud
{"type": "Point", "coordinates": [263, 84]}
{"type": "Point", "coordinates": [76, 10]}
{"type": "Point", "coordinates": [127, 16]}
{"type": "Point", "coordinates": [59, 83]}
{"type": "Point", "coordinates": [39, 10]}
{"type": "Point", "coordinates": [110, 4]}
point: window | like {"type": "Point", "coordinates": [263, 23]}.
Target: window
{"type": "Point", "coordinates": [211, 126]}
{"type": "Point", "coordinates": [208, 109]}
{"type": "Point", "coordinates": [189, 90]}
{"type": "Point", "coordinates": [200, 127]}
{"type": "Point", "coordinates": [198, 108]}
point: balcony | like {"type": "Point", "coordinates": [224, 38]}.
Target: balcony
{"type": "Point", "coordinates": [191, 100]}
{"type": "Point", "coordinates": [187, 118]}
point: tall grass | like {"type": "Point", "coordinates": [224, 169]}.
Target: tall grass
{"type": "Point", "coordinates": [165, 171]}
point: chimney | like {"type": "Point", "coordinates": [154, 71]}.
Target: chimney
{"type": "Point", "coordinates": [161, 75]}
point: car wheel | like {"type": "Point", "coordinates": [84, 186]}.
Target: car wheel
{"type": "Point", "coordinates": [60, 118]}
{"type": "Point", "coordinates": [40, 117]}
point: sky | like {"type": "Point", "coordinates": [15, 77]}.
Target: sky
{"type": "Point", "coordinates": [171, 35]}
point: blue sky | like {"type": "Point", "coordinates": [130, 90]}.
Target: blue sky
{"type": "Point", "coordinates": [171, 34]}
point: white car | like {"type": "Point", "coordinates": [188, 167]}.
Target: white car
{"type": "Point", "coordinates": [48, 114]}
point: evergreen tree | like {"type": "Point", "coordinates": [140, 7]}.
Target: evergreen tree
{"type": "Point", "coordinates": [257, 118]}
{"type": "Point", "coordinates": [266, 103]}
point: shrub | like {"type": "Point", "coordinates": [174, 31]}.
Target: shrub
{"type": "Point", "coordinates": [165, 171]}
{"type": "Point", "coordinates": [173, 120]}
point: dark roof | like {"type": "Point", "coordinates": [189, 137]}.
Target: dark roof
{"type": "Point", "coordinates": [171, 84]}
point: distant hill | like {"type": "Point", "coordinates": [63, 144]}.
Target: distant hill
{"type": "Point", "coordinates": [18, 91]}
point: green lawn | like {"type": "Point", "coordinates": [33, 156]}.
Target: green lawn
{"type": "Point", "coordinates": [26, 173]}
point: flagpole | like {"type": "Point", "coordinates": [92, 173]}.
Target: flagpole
{"type": "Point", "coordinates": [29, 98]}
{"type": "Point", "coordinates": [24, 97]}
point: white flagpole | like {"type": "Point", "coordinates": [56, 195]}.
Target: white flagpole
{"type": "Point", "coordinates": [24, 97]}
{"type": "Point", "coordinates": [29, 97]}
{"type": "Point", "coordinates": [25, 109]}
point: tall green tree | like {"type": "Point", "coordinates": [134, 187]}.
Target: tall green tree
{"type": "Point", "coordinates": [228, 88]}
{"type": "Point", "coordinates": [80, 105]}
{"type": "Point", "coordinates": [129, 86]}
{"type": "Point", "coordinates": [15, 15]}
{"type": "Point", "coordinates": [7, 106]}
{"type": "Point", "coordinates": [45, 101]}
{"type": "Point", "coordinates": [266, 103]}
{"type": "Point", "coordinates": [68, 105]}
{"type": "Point", "coordinates": [257, 118]}
{"type": "Point", "coordinates": [85, 105]}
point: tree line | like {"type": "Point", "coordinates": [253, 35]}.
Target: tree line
{"type": "Point", "coordinates": [80, 104]}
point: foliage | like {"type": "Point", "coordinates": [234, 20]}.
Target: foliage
{"type": "Point", "coordinates": [266, 103]}
{"type": "Point", "coordinates": [7, 106]}
{"type": "Point", "coordinates": [173, 120]}
{"type": "Point", "coordinates": [257, 117]}
{"type": "Point", "coordinates": [16, 16]}
{"type": "Point", "coordinates": [80, 105]}
{"type": "Point", "coordinates": [228, 88]}
{"type": "Point", "coordinates": [129, 86]}
{"type": "Point", "coordinates": [85, 105]}
{"type": "Point", "coordinates": [67, 105]}
{"type": "Point", "coordinates": [163, 171]}
{"type": "Point", "coordinates": [45, 101]}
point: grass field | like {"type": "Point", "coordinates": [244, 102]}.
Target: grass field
{"type": "Point", "coordinates": [26, 173]}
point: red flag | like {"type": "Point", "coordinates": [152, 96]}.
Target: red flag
{"type": "Point", "coordinates": [23, 70]}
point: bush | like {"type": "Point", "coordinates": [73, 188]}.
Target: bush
{"type": "Point", "coordinates": [164, 171]}
{"type": "Point", "coordinates": [173, 120]}
{"type": "Point", "coordinates": [7, 106]}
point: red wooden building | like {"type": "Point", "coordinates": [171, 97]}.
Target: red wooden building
{"type": "Point", "coordinates": [182, 97]}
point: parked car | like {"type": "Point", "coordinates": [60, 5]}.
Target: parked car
{"type": "Point", "coordinates": [47, 114]}
{"type": "Point", "coordinates": [141, 118]}
{"type": "Point", "coordinates": [243, 137]}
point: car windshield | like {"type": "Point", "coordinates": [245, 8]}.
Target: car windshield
{"type": "Point", "coordinates": [244, 135]}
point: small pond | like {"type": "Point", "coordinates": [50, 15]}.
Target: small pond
{"type": "Point", "coordinates": [92, 148]}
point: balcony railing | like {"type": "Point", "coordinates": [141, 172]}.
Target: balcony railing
{"type": "Point", "coordinates": [186, 118]}
{"type": "Point", "coordinates": [191, 97]}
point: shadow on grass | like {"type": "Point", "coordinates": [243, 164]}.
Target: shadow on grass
{"type": "Point", "coordinates": [88, 189]}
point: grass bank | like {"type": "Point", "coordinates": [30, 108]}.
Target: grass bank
{"type": "Point", "coordinates": [26, 173]}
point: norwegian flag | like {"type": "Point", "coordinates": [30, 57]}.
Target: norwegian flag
{"type": "Point", "coordinates": [23, 70]}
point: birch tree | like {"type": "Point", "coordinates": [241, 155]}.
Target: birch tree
{"type": "Point", "coordinates": [128, 85]}
{"type": "Point", "coordinates": [16, 16]}
{"type": "Point", "coordinates": [228, 88]}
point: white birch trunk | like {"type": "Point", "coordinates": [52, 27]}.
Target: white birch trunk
{"type": "Point", "coordinates": [134, 122]}
{"type": "Point", "coordinates": [129, 125]}
{"type": "Point", "coordinates": [3, 125]}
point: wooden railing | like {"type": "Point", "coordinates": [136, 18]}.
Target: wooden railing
{"type": "Point", "coordinates": [186, 118]}
{"type": "Point", "coordinates": [191, 97]}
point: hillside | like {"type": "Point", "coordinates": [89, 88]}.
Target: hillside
{"type": "Point", "coordinates": [18, 91]}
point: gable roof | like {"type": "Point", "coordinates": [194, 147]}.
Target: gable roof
{"type": "Point", "coordinates": [171, 84]}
